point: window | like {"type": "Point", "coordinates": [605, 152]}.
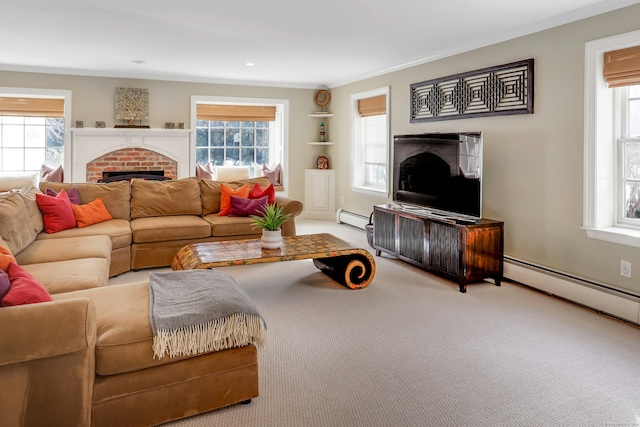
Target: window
{"type": "Point", "coordinates": [612, 142]}
{"type": "Point", "coordinates": [629, 155]}
{"type": "Point", "coordinates": [370, 142]}
{"type": "Point", "coordinates": [32, 132]}
{"type": "Point", "coordinates": [240, 131]}
{"type": "Point", "coordinates": [232, 142]}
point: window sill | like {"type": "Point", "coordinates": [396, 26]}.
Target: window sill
{"type": "Point", "coordinates": [370, 191]}
{"type": "Point", "coordinates": [623, 236]}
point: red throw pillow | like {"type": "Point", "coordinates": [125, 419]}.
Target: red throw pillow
{"type": "Point", "coordinates": [257, 192]}
{"type": "Point", "coordinates": [245, 207]}
{"type": "Point", "coordinates": [225, 198]}
{"type": "Point", "coordinates": [25, 289]}
{"type": "Point", "coordinates": [57, 214]}
{"type": "Point", "coordinates": [6, 257]}
{"type": "Point", "coordinates": [91, 213]}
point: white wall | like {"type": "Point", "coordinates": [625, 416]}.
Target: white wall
{"type": "Point", "coordinates": [532, 163]}
{"type": "Point", "coordinates": [93, 99]}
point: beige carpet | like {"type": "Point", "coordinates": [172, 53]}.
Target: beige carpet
{"type": "Point", "coordinates": [410, 350]}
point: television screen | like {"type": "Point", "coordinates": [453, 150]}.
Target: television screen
{"type": "Point", "coordinates": [439, 173]}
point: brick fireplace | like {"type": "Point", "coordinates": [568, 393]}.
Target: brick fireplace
{"type": "Point", "coordinates": [131, 159]}
{"type": "Point", "coordinates": [96, 150]}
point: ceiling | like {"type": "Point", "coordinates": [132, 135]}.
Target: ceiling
{"type": "Point", "coordinates": [293, 43]}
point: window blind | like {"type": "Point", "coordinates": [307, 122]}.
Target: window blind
{"type": "Point", "coordinates": [622, 67]}
{"type": "Point", "coordinates": [32, 107]}
{"type": "Point", "coordinates": [374, 106]}
{"type": "Point", "coordinates": [236, 113]}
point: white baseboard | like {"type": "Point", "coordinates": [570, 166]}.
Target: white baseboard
{"type": "Point", "coordinates": [351, 218]}
{"type": "Point", "coordinates": [590, 294]}
{"type": "Point", "coordinates": [318, 215]}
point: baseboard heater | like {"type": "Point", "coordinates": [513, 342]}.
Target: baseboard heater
{"type": "Point", "coordinates": [351, 218]}
{"type": "Point", "coordinates": [597, 296]}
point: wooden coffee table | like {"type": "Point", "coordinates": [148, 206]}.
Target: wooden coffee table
{"type": "Point", "coordinates": [345, 263]}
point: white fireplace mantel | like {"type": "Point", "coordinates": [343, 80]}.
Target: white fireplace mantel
{"type": "Point", "coordinates": [88, 144]}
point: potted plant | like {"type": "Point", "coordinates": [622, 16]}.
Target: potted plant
{"type": "Point", "coordinates": [270, 221]}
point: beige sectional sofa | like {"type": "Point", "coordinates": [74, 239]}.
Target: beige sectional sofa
{"type": "Point", "coordinates": [86, 357]}
{"type": "Point", "coordinates": [152, 220]}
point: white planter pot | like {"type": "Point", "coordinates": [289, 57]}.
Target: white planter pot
{"type": "Point", "coordinates": [271, 239]}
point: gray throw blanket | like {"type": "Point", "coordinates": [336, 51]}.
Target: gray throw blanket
{"type": "Point", "coordinates": [198, 311]}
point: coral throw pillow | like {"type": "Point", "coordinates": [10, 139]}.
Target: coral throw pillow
{"type": "Point", "coordinates": [6, 257]}
{"type": "Point", "coordinates": [74, 196]}
{"type": "Point", "coordinates": [91, 213]}
{"type": "Point", "coordinates": [257, 192]}
{"type": "Point", "coordinates": [225, 197]}
{"type": "Point", "coordinates": [245, 207]}
{"type": "Point", "coordinates": [25, 289]}
{"type": "Point", "coordinates": [57, 214]}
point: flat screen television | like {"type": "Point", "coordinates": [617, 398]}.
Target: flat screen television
{"type": "Point", "coordinates": [439, 174]}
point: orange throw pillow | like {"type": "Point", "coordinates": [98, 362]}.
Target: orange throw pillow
{"type": "Point", "coordinates": [91, 213]}
{"type": "Point", "coordinates": [6, 257]}
{"type": "Point", "coordinates": [225, 198]}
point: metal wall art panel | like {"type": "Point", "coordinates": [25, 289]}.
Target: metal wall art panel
{"type": "Point", "coordinates": [501, 90]}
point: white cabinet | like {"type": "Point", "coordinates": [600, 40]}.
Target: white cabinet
{"type": "Point", "coordinates": [320, 194]}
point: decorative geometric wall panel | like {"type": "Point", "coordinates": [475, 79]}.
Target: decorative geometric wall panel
{"type": "Point", "coordinates": [504, 89]}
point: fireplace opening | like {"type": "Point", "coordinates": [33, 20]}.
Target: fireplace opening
{"type": "Point", "coordinates": [111, 176]}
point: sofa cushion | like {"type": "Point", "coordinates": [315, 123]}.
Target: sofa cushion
{"type": "Point", "coordinates": [28, 195]}
{"type": "Point", "coordinates": [151, 198]}
{"type": "Point", "coordinates": [10, 182]}
{"type": "Point", "coordinates": [163, 228]}
{"type": "Point", "coordinates": [118, 229]}
{"type": "Point", "coordinates": [115, 195]}
{"type": "Point", "coordinates": [227, 226]}
{"type": "Point", "coordinates": [57, 214]}
{"type": "Point", "coordinates": [52, 250]}
{"type": "Point", "coordinates": [17, 230]}
{"type": "Point", "coordinates": [125, 338]}
{"type": "Point", "coordinates": [91, 213]}
{"type": "Point", "coordinates": [211, 192]}
{"type": "Point", "coordinates": [25, 289]}
{"type": "Point", "coordinates": [70, 275]}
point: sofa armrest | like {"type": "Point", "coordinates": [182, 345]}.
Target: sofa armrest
{"type": "Point", "coordinates": [38, 331]}
{"type": "Point", "coordinates": [293, 207]}
{"type": "Point", "coordinates": [47, 363]}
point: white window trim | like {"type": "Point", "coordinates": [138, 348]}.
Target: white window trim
{"type": "Point", "coordinates": [50, 93]}
{"type": "Point", "coordinates": [600, 136]}
{"type": "Point", "coordinates": [282, 109]}
{"type": "Point", "coordinates": [369, 190]}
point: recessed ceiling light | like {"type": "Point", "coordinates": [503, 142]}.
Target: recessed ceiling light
{"type": "Point", "coordinates": [139, 61]}
{"type": "Point", "coordinates": [250, 64]}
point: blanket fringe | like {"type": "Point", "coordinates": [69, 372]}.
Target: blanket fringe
{"type": "Point", "coordinates": [232, 331]}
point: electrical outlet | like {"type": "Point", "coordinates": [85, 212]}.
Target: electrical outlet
{"type": "Point", "coordinates": [342, 200]}
{"type": "Point", "coordinates": [625, 268]}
